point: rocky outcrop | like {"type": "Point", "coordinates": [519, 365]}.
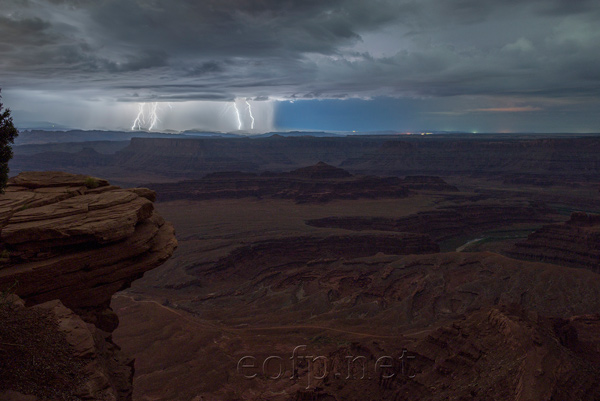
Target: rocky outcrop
{"type": "Point", "coordinates": [446, 222]}
{"type": "Point", "coordinates": [575, 243]}
{"type": "Point", "coordinates": [74, 241]}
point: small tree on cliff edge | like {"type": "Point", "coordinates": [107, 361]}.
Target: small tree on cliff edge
{"type": "Point", "coordinates": [8, 133]}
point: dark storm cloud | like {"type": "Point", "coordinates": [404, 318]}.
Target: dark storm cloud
{"type": "Point", "coordinates": [208, 67]}
{"type": "Point", "coordinates": [220, 49]}
{"type": "Point", "coordinates": [565, 7]}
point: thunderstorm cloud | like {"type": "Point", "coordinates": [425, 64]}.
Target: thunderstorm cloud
{"type": "Point", "coordinates": [498, 55]}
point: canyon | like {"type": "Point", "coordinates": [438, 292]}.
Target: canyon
{"type": "Point", "coordinates": [306, 268]}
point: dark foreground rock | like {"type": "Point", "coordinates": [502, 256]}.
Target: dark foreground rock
{"type": "Point", "coordinates": [69, 242]}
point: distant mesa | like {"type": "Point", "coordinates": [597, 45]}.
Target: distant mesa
{"type": "Point", "coordinates": [321, 171]}
{"type": "Point", "coordinates": [317, 183]}
{"type": "Point", "coordinates": [518, 160]}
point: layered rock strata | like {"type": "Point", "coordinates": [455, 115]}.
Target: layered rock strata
{"type": "Point", "coordinates": [317, 183]}
{"type": "Point", "coordinates": [446, 222]}
{"type": "Point", "coordinates": [70, 242]}
{"type": "Point", "coordinates": [575, 243]}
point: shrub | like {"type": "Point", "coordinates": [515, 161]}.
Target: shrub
{"type": "Point", "coordinates": [91, 183]}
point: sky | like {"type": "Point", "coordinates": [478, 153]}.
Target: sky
{"type": "Point", "coordinates": [340, 65]}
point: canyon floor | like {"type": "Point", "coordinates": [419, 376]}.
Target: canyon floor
{"type": "Point", "coordinates": [400, 298]}
{"type": "Point", "coordinates": [443, 267]}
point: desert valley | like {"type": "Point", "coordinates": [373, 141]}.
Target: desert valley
{"type": "Point", "coordinates": [384, 267]}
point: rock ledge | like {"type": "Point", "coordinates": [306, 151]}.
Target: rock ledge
{"type": "Point", "coordinates": [75, 240]}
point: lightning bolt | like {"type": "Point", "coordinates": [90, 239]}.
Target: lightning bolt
{"type": "Point", "coordinates": [250, 113]}
{"type": "Point", "coordinates": [147, 118]}
{"type": "Point", "coordinates": [153, 116]}
{"type": "Point", "coordinates": [239, 118]}
{"type": "Point", "coordinates": [140, 118]}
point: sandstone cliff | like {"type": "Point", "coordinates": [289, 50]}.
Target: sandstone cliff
{"type": "Point", "coordinates": [574, 243]}
{"type": "Point", "coordinates": [69, 242]}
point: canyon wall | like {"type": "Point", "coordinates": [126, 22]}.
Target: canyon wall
{"type": "Point", "coordinates": [574, 243]}
{"type": "Point", "coordinates": [535, 160]}
{"type": "Point", "coordinates": [69, 242]}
